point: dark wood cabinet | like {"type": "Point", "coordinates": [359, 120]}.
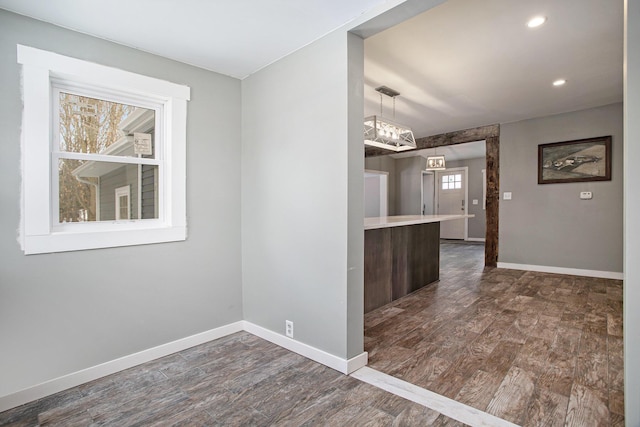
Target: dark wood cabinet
{"type": "Point", "coordinates": [399, 260]}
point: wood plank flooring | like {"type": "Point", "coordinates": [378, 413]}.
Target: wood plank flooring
{"type": "Point", "coordinates": [532, 348]}
{"type": "Point", "coordinates": [239, 380]}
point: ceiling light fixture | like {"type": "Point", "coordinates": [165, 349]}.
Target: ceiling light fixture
{"type": "Point", "coordinates": [559, 82]}
{"type": "Point", "coordinates": [382, 133]}
{"type": "Point", "coordinates": [436, 163]}
{"type": "Point", "coordinates": [536, 21]}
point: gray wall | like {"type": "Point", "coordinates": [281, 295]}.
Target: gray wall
{"type": "Point", "coordinates": [61, 313]}
{"type": "Point", "coordinates": [477, 224]}
{"type": "Point", "coordinates": [372, 196]}
{"type": "Point", "coordinates": [409, 185]}
{"type": "Point", "coordinates": [296, 245]}
{"type": "Point", "coordinates": [632, 213]}
{"type": "Point", "coordinates": [548, 224]}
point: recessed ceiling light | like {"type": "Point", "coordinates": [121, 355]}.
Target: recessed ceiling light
{"type": "Point", "coordinates": [559, 82]}
{"type": "Point", "coordinates": [536, 21]}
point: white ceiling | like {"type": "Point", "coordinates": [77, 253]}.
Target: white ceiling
{"type": "Point", "coordinates": [463, 64]}
{"type": "Point", "coordinates": [232, 37]}
{"type": "Point", "coordinates": [469, 63]}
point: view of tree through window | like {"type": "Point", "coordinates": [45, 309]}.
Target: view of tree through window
{"type": "Point", "coordinates": [94, 126]}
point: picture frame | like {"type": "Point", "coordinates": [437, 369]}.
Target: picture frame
{"type": "Point", "coordinates": [581, 160]}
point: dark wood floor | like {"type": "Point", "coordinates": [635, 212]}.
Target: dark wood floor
{"type": "Point", "coordinates": [535, 349]}
{"type": "Point", "coordinates": [240, 380]}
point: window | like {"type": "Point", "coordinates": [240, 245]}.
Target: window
{"type": "Point", "coordinates": [452, 182]}
{"type": "Point", "coordinates": [122, 210]}
{"type": "Point", "coordinates": [104, 156]}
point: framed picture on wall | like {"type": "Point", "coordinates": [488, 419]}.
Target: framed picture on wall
{"type": "Point", "coordinates": [581, 160]}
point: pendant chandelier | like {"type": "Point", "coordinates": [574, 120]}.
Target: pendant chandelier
{"type": "Point", "coordinates": [383, 133]}
{"type": "Point", "coordinates": [436, 163]}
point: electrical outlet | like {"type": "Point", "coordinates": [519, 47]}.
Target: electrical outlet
{"type": "Point", "coordinates": [288, 328]}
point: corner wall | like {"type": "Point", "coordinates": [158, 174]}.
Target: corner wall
{"type": "Point", "coordinates": [548, 225]}
{"type": "Point", "coordinates": [296, 236]}
{"type": "Point", "coordinates": [62, 313]}
{"type": "Point", "coordinates": [409, 185]}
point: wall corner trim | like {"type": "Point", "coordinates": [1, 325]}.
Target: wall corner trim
{"type": "Point", "coordinates": [30, 394]}
{"type": "Point", "coordinates": [562, 270]}
{"type": "Point", "coordinates": [346, 366]}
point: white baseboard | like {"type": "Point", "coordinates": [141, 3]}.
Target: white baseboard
{"type": "Point", "coordinates": [342, 365]}
{"type": "Point", "coordinates": [561, 270]}
{"type": "Point", "coordinates": [476, 239]}
{"type": "Point", "coordinates": [77, 378]}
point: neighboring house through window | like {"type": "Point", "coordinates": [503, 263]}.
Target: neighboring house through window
{"type": "Point", "coordinates": [103, 153]}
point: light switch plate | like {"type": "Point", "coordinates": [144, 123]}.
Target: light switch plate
{"type": "Point", "coordinates": [586, 195]}
{"type": "Point", "coordinates": [506, 195]}
{"type": "Point", "coordinates": [475, 201]}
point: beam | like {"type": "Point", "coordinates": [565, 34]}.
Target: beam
{"type": "Point", "coordinates": [450, 138]}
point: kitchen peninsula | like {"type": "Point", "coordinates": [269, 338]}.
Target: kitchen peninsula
{"type": "Point", "coordinates": [401, 255]}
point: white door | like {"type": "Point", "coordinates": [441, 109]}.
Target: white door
{"type": "Point", "coordinates": [452, 200]}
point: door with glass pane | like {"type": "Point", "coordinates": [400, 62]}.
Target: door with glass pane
{"type": "Point", "coordinates": [452, 200]}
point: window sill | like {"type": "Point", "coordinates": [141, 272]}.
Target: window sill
{"type": "Point", "coordinates": [73, 241]}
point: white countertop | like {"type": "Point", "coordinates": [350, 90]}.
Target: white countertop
{"type": "Point", "coordinates": [400, 220]}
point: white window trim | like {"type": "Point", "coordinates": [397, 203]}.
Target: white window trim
{"type": "Point", "coordinates": [36, 231]}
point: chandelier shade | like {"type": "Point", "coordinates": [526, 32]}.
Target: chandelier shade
{"type": "Point", "coordinates": [382, 133]}
{"type": "Point", "coordinates": [436, 163]}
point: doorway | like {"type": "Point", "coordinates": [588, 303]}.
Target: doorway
{"type": "Point", "coordinates": [490, 178]}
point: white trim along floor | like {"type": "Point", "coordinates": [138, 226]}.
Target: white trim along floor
{"type": "Point", "coordinates": [448, 407]}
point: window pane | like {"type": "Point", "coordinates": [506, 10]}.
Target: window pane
{"type": "Point", "coordinates": [445, 185]}
{"type": "Point", "coordinates": [124, 207]}
{"type": "Point", "coordinates": [458, 178]}
{"type": "Point", "coordinates": [451, 178]}
{"type": "Point", "coordinates": [458, 185]}
{"type": "Point", "coordinates": [90, 125]}
{"type": "Point", "coordinates": [86, 190]}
